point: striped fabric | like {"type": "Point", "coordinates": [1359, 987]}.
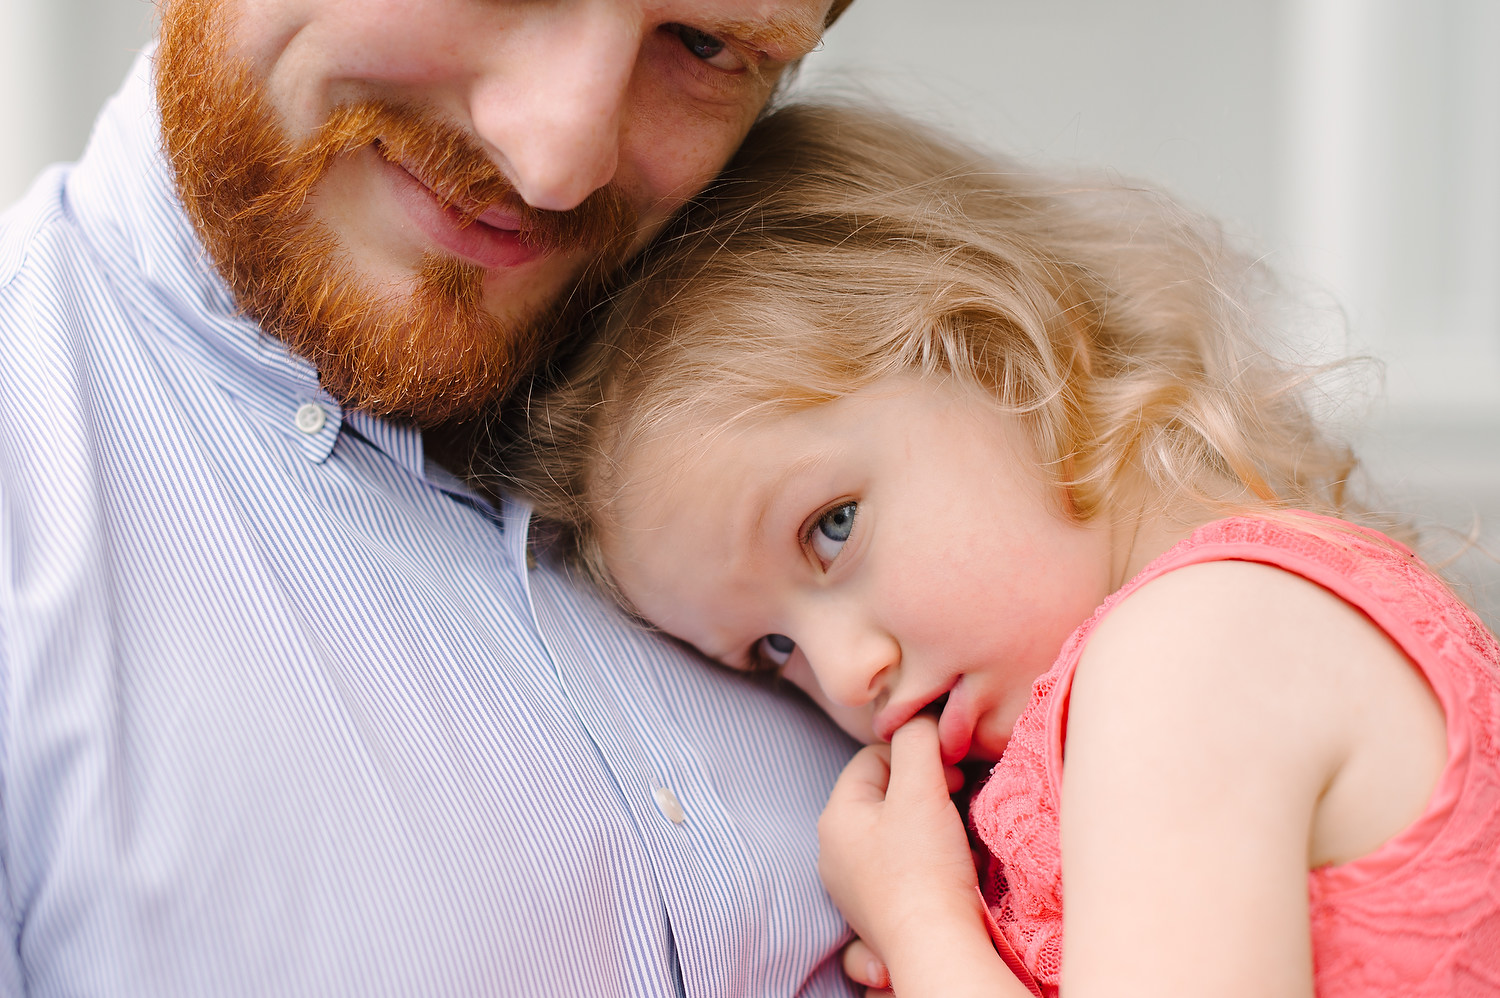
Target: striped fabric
{"type": "Point", "coordinates": [284, 712]}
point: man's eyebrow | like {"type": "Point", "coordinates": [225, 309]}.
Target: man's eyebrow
{"type": "Point", "coordinates": [785, 35]}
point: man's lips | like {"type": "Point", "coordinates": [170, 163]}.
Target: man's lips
{"type": "Point", "coordinates": [493, 240]}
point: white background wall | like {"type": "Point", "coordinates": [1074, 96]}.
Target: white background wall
{"type": "Point", "coordinates": [1357, 141]}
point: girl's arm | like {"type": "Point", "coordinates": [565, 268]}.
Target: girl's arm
{"type": "Point", "coordinates": [1212, 716]}
{"type": "Point", "coordinates": [1230, 726]}
{"type": "Point", "coordinates": [895, 858]}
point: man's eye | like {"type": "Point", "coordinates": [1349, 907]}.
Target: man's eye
{"type": "Point", "coordinates": [775, 649]}
{"type": "Point", "coordinates": [708, 48]}
{"type": "Point", "coordinates": [831, 530]}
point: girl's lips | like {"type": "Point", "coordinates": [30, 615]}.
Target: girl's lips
{"type": "Point", "coordinates": [956, 726]}
{"type": "Point", "coordinates": [491, 241]}
{"type": "Point", "coordinates": [890, 718]}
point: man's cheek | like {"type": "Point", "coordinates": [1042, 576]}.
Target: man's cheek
{"type": "Point", "coordinates": [673, 151]}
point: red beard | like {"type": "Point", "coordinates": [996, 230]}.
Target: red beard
{"type": "Point", "coordinates": [432, 354]}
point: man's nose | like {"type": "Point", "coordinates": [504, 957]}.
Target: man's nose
{"type": "Point", "coordinates": [854, 663]}
{"type": "Point", "coordinates": [556, 114]}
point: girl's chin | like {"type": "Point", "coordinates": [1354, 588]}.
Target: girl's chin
{"type": "Point", "coordinates": [987, 745]}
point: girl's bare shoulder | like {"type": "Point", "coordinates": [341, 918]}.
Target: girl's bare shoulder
{"type": "Point", "coordinates": [1237, 609]}
{"type": "Point", "coordinates": [1260, 665]}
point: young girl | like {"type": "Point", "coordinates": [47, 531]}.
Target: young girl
{"type": "Point", "coordinates": [998, 469]}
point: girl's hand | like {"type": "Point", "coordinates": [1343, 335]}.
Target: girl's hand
{"type": "Point", "coordinates": [863, 966]}
{"type": "Point", "coordinates": [896, 860]}
{"type": "Point", "coordinates": [894, 855]}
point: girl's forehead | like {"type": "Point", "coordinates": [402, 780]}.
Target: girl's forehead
{"type": "Point", "coordinates": [727, 459]}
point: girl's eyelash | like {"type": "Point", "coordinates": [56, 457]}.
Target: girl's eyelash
{"type": "Point", "coordinates": [831, 525]}
{"type": "Point", "coordinates": [758, 665]}
{"type": "Point", "coordinates": [810, 526]}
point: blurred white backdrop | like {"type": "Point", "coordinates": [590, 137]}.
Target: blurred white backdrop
{"type": "Point", "coordinates": [1356, 141]}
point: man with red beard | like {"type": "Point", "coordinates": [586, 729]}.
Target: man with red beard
{"type": "Point", "coordinates": [284, 709]}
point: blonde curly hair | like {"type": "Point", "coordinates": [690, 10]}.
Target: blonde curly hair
{"type": "Point", "coordinates": [845, 244]}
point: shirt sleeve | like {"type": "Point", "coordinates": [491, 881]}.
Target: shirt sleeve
{"type": "Point", "coordinates": [10, 946]}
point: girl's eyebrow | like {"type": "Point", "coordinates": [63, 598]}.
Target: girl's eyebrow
{"type": "Point", "coordinates": [763, 497]}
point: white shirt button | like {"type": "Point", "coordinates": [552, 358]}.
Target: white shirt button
{"type": "Point", "coordinates": [669, 805]}
{"type": "Point", "coordinates": [310, 418]}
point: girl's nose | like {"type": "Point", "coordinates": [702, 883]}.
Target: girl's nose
{"type": "Point", "coordinates": [853, 664]}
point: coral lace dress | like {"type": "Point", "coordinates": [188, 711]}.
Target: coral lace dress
{"type": "Point", "coordinates": [1419, 916]}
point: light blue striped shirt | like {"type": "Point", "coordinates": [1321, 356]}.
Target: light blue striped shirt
{"type": "Point", "coordinates": [284, 712]}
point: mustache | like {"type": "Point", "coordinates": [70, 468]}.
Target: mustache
{"type": "Point", "coordinates": [449, 162]}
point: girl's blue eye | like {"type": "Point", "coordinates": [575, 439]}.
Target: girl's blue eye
{"type": "Point", "coordinates": [831, 531]}
{"type": "Point", "coordinates": [776, 649]}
